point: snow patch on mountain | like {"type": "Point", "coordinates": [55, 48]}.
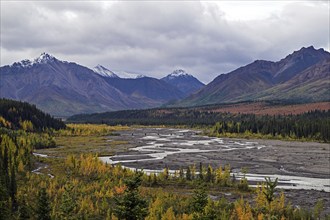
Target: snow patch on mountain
{"type": "Point", "coordinates": [101, 70]}
{"type": "Point", "coordinates": [128, 75]}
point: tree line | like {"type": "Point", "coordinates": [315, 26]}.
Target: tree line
{"type": "Point", "coordinates": [314, 125]}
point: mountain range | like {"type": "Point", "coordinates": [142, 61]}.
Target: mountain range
{"type": "Point", "coordinates": [303, 76]}
{"type": "Point", "coordinates": [64, 88]}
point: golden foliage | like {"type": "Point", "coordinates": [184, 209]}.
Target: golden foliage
{"type": "Point", "coordinates": [242, 210]}
{"type": "Point", "coordinates": [4, 123]}
{"type": "Point", "coordinates": [90, 129]}
{"type": "Point", "coordinates": [169, 214]}
{"type": "Point", "coordinates": [187, 217]}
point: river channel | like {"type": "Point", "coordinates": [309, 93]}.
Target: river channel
{"type": "Point", "coordinates": [297, 165]}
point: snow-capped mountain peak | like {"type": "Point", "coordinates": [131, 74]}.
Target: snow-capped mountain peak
{"type": "Point", "coordinates": [178, 73]}
{"type": "Point", "coordinates": [185, 82]}
{"type": "Point", "coordinates": [44, 58]}
{"type": "Point", "coordinates": [101, 70]}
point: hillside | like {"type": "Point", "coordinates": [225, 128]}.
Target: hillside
{"type": "Point", "coordinates": [288, 79]}
{"type": "Point", "coordinates": [15, 114]}
{"type": "Point", "coordinates": [309, 86]}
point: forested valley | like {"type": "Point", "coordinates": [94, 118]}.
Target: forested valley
{"type": "Point", "coordinates": [80, 186]}
{"type": "Point", "coordinates": [312, 126]}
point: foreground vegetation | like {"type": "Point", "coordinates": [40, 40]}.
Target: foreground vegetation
{"type": "Point", "coordinates": [82, 187]}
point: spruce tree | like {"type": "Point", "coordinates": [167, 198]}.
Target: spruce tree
{"type": "Point", "coordinates": [23, 209]}
{"type": "Point", "coordinates": [209, 175]}
{"type": "Point", "coordinates": [199, 199]}
{"type": "Point", "coordinates": [43, 205]}
{"type": "Point", "coordinates": [201, 177]}
{"type": "Point", "coordinates": [188, 173]}
{"type": "Point", "coordinates": [68, 203]}
{"type": "Point", "coordinates": [130, 205]}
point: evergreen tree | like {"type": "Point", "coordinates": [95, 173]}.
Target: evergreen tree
{"type": "Point", "coordinates": [199, 199]}
{"type": "Point", "coordinates": [23, 210]}
{"type": "Point", "coordinates": [154, 180]}
{"type": "Point", "coordinates": [68, 203]}
{"type": "Point", "coordinates": [43, 205]}
{"type": "Point", "coordinates": [130, 205]}
{"type": "Point", "coordinates": [188, 174]}
{"type": "Point", "coordinates": [13, 188]}
{"type": "Point", "coordinates": [181, 173]}
{"type": "Point", "coordinates": [201, 177]}
{"type": "Point", "coordinates": [270, 189]}
{"type": "Point", "coordinates": [209, 174]}
{"type": "Point", "coordinates": [4, 203]}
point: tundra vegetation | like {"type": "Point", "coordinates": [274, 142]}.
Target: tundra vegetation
{"type": "Point", "coordinates": [79, 186]}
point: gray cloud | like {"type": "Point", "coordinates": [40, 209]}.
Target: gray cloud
{"type": "Point", "coordinates": [154, 38]}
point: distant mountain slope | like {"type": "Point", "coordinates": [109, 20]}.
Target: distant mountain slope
{"type": "Point", "coordinates": [313, 84]}
{"type": "Point", "coordinates": [151, 91]}
{"type": "Point", "coordinates": [249, 82]}
{"type": "Point", "coordinates": [298, 61]}
{"type": "Point", "coordinates": [61, 88]}
{"type": "Point", "coordinates": [183, 81]}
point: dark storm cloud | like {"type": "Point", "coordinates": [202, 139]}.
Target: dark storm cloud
{"type": "Point", "coordinates": [154, 38]}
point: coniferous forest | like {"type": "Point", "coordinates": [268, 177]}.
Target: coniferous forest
{"type": "Point", "coordinates": [80, 186]}
{"type": "Point", "coordinates": [22, 115]}
{"type": "Point", "coordinates": [313, 125]}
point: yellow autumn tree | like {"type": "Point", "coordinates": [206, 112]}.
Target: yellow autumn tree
{"type": "Point", "coordinates": [242, 210]}
{"type": "Point", "coordinates": [155, 209]}
{"type": "Point", "coordinates": [169, 214]}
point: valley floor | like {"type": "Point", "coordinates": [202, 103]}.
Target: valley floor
{"type": "Point", "coordinates": [153, 149]}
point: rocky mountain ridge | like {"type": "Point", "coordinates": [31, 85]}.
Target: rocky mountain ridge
{"type": "Point", "coordinates": [261, 80]}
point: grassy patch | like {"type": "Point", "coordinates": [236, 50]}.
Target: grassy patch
{"type": "Point", "coordinates": [85, 144]}
{"type": "Point", "coordinates": [86, 138]}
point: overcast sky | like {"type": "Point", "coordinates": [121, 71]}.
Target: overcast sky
{"type": "Point", "coordinates": [154, 38]}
